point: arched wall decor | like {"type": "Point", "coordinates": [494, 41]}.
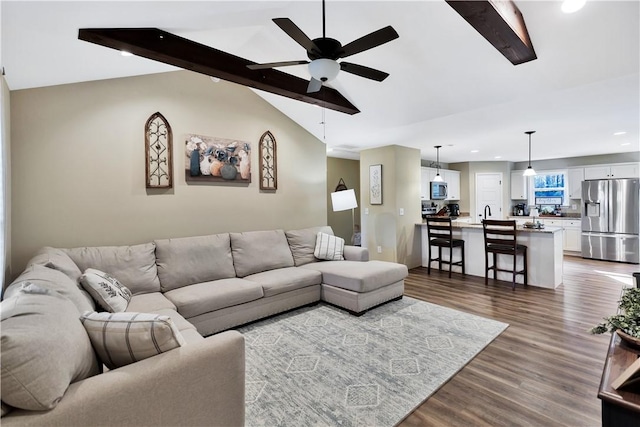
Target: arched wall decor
{"type": "Point", "coordinates": [268, 162]}
{"type": "Point", "coordinates": [158, 144]}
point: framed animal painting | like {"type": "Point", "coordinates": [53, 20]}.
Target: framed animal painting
{"type": "Point", "coordinates": [212, 159]}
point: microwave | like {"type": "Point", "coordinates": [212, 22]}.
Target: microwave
{"type": "Point", "coordinates": [438, 190]}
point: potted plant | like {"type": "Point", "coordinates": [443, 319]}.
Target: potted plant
{"type": "Point", "coordinates": [626, 322]}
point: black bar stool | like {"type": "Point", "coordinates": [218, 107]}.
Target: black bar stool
{"type": "Point", "coordinates": [440, 234]}
{"type": "Point", "coordinates": [500, 238]}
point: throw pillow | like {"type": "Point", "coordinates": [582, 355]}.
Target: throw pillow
{"type": "Point", "coordinates": [44, 348]}
{"type": "Point", "coordinates": [329, 247]}
{"type": "Point", "coordinates": [110, 294]}
{"type": "Point", "coordinates": [123, 338]}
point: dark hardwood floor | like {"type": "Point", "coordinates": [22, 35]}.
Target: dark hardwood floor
{"type": "Point", "coordinates": [545, 369]}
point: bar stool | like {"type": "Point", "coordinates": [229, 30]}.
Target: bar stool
{"type": "Point", "coordinates": [500, 238]}
{"type": "Point", "coordinates": [439, 233]}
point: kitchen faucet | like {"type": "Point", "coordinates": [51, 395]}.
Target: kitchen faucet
{"type": "Point", "coordinates": [485, 211]}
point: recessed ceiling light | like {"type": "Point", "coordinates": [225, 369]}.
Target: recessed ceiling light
{"type": "Point", "coordinates": [474, 151]}
{"type": "Point", "coordinates": [497, 157]}
{"type": "Point", "coordinates": [125, 53]}
{"type": "Point", "coordinates": [619, 133]}
{"type": "Point", "coordinates": [214, 79]}
{"type": "Point", "coordinates": [626, 143]}
{"type": "Point", "coordinates": [570, 6]}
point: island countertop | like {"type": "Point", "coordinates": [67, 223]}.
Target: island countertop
{"type": "Point", "coordinates": [519, 228]}
{"type": "Point", "coordinates": [544, 253]}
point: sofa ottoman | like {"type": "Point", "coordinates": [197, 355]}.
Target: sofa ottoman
{"type": "Point", "coordinates": [358, 286]}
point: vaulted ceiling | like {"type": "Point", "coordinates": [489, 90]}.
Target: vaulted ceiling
{"type": "Point", "coordinates": [447, 86]}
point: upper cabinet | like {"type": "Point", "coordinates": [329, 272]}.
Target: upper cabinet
{"type": "Point", "coordinates": [576, 176]}
{"type": "Point", "coordinates": [451, 177]}
{"type": "Point", "coordinates": [518, 186]}
{"type": "Point", "coordinates": [624, 170]}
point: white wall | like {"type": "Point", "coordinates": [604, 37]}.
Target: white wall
{"type": "Point", "coordinates": [78, 164]}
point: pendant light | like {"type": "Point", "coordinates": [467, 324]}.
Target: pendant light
{"type": "Point", "coordinates": [438, 178]}
{"type": "Point", "coordinates": [529, 171]}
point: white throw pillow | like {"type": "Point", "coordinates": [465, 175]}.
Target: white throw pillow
{"type": "Point", "coordinates": [110, 294]}
{"type": "Point", "coordinates": [123, 338]}
{"type": "Point", "coordinates": [329, 247]}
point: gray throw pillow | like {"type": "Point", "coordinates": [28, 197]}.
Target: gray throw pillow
{"type": "Point", "coordinates": [44, 348]}
{"type": "Point", "coordinates": [108, 292]}
{"type": "Point", "coordinates": [303, 242]}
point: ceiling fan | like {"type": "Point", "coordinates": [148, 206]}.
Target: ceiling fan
{"type": "Point", "coordinates": [324, 53]}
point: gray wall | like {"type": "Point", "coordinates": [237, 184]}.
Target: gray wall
{"type": "Point", "coordinates": [78, 164]}
{"type": "Point", "coordinates": [383, 226]}
{"type": "Point", "coordinates": [343, 222]}
{"type": "Point", "coordinates": [5, 176]}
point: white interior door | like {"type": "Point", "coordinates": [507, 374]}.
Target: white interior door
{"type": "Point", "coordinates": [488, 192]}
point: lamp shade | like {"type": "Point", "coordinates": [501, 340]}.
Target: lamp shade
{"type": "Point", "coordinates": [344, 200]}
{"type": "Point", "coordinates": [324, 69]}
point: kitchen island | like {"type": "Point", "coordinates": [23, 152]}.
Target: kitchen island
{"type": "Point", "coordinates": [544, 253]}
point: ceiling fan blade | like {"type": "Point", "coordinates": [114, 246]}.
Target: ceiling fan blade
{"type": "Point", "coordinates": [362, 71]}
{"type": "Point", "coordinates": [275, 64]}
{"type": "Point", "coordinates": [296, 33]}
{"type": "Point", "coordinates": [369, 41]}
{"type": "Point", "coordinates": [314, 85]}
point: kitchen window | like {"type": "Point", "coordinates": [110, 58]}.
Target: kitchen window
{"type": "Point", "coordinates": [549, 184]}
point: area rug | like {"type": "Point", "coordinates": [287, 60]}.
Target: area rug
{"type": "Point", "coordinates": [320, 366]}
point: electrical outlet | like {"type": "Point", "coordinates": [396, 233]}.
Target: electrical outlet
{"type": "Point", "coordinates": [574, 207]}
{"type": "Point", "coordinates": [401, 211]}
{"type": "Point", "coordinates": [379, 249]}
{"type": "Point", "coordinates": [366, 211]}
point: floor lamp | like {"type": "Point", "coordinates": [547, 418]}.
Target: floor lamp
{"type": "Point", "coordinates": [343, 200]}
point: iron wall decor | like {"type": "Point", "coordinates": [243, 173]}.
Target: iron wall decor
{"type": "Point", "coordinates": [158, 142]}
{"type": "Point", "coordinates": [212, 159]}
{"type": "Point", "coordinates": [268, 162]}
{"type": "Point", "coordinates": [375, 184]}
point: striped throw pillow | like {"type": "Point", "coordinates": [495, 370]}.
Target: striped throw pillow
{"type": "Point", "coordinates": [108, 292]}
{"type": "Point", "coordinates": [123, 338]}
{"type": "Point", "coordinates": [329, 247]}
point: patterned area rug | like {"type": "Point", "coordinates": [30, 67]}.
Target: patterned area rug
{"type": "Point", "coordinates": [320, 366]}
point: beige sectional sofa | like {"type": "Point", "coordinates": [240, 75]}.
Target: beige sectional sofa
{"type": "Point", "coordinates": [205, 285]}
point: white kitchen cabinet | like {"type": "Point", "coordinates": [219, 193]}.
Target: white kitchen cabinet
{"type": "Point", "coordinates": [571, 232]}
{"type": "Point", "coordinates": [518, 186]}
{"type": "Point", "coordinates": [572, 235]}
{"type": "Point", "coordinates": [576, 176]}
{"type": "Point", "coordinates": [623, 170]}
{"type": "Point", "coordinates": [452, 178]}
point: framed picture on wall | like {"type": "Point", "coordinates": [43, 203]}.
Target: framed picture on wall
{"type": "Point", "coordinates": [375, 184]}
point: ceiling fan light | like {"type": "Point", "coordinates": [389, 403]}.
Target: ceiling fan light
{"type": "Point", "coordinates": [324, 69]}
{"type": "Point", "coordinates": [529, 172]}
{"type": "Point", "coordinates": [570, 6]}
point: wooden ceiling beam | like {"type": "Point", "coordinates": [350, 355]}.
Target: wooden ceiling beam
{"type": "Point", "coordinates": [161, 46]}
{"type": "Point", "coordinates": [501, 23]}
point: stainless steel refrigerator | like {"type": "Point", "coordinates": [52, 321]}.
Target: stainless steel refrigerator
{"type": "Point", "coordinates": [611, 219]}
